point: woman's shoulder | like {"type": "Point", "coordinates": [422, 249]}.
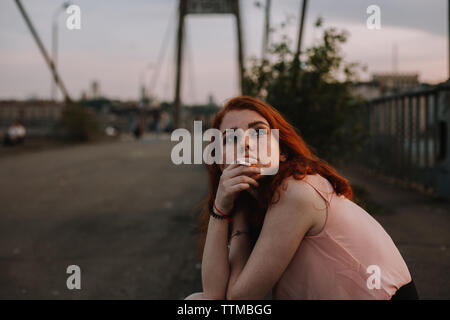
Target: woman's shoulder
{"type": "Point", "coordinates": [298, 192]}
{"type": "Point", "coordinates": [307, 201]}
{"type": "Point", "coordinates": [297, 199]}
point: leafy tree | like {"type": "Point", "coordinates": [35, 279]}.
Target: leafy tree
{"type": "Point", "coordinates": [79, 124]}
{"type": "Point", "coordinates": [314, 95]}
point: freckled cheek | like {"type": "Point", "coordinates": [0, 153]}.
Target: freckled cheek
{"type": "Point", "coordinates": [268, 146]}
{"type": "Point", "coordinates": [269, 152]}
{"type": "Point", "coordinates": [231, 151]}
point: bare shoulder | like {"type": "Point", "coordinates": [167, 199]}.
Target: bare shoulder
{"type": "Point", "coordinates": [295, 205]}
{"type": "Point", "coordinates": [297, 192]}
{"type": "Point", "coordinates": [305, 201]}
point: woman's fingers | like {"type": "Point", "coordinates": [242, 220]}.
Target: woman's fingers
{"type": "Point", "coordinates": [240, 187]}
{"type": "Point", "coordinates": [231, 172]}
{"type": "Point", "coordinates": [235, 178]}
{"type": "Point", "coordinates": [232, 166]}
{"type": "Point", "coordinates": [242, 179]}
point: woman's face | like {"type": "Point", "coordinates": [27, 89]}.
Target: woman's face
{"type": "Point", "coordinates": [255, 142]}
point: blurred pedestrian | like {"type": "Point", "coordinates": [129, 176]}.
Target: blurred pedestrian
{"type": "Point", "coordinates": [15, 134]}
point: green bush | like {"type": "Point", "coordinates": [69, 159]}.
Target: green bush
{"type": "Point", "coordinates": [79, 124]}
{"type": "Point", "coordinates": [315, 96]}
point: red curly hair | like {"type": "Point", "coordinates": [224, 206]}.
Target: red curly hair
{"type": "Point", "coordinates": [300, 161]}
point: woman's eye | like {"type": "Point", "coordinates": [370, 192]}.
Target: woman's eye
{"type": "Point", "coordinates": [229, 139]}
{"type": "Point", "coordinates": [254, 133]}
{"type": "Point", "coordinates": [259, 132]}
{"type": "Point", "coordinates": [262, 132]}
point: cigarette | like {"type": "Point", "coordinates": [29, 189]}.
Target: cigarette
{"type": "Point", "coordinates": [245, 163]}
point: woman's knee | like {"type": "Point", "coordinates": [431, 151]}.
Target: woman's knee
{"type": "Point", "coordinates": [195, 296]}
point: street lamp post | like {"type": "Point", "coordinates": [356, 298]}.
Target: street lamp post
{"type": "Point", "coordinates": [266, 29]}
{"type": "Point", "coordinates": [143, 80]}
{"type": "Point", "coordinates": [300, 29]}
{"type": "Point", "coordinates": [296, 62]}
{"type": "Point", "coordinates": [60, 9]}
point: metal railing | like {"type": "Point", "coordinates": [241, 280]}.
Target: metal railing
{"type": "Point", "coordinates": [409, 138]}
{"type": "Point", "coordinates": [39, 118]}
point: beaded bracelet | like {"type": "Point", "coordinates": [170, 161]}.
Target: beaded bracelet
{"type": "Point", "coordinates": [220, 216]}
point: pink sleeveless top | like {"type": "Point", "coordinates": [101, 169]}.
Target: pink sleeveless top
{"type": "Point", "coordinates": [341, 261]}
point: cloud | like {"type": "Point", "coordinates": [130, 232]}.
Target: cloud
{"type": "Point", "coordinates": [429, 16]}
{"type": "Point", "coordinates": [119, 38]}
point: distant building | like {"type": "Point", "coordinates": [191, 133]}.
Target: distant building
{"type": "Point", "coordinates": [392, 82]}
{"type": "Point", "coordinates": [95, 88]}
{"type": "Point", "coordinates": [211, 100]}
{"type": "Point", "coordinates": [368, 90]}
{"type": "Point", "coordinates": [385, 84]}
{"type": "Point", "coordinates": [39, 117]}
{"type": "Point", "coordinates": [203, 113]}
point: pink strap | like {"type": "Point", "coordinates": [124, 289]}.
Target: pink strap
{"type": "Point", "coordinates": [320, 192]}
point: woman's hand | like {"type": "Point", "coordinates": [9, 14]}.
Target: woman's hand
{"type": "Point", "coordinates": [233, 180]}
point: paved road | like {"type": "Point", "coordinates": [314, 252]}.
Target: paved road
{"type": "Point", "coordinates": [120, 211]}
{"type": "Point", "coordinates": [123, 213]}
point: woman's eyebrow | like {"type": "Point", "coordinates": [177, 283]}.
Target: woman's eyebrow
{"type": "Point", "coordinates": [255, 123]}
{"type": "Point", "coordinates": [251, 124]}
{"type": "Point", "coordinates": [225, 131]}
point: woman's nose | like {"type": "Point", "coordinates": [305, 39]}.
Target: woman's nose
{"type": "Point", "coordinates": [248, 144]}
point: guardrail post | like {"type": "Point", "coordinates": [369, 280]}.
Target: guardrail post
{"type": "Point", "coordinates": [443, 145]}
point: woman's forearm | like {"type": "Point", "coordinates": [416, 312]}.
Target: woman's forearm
{"type": "Point", "coordinates": [215, 265]}
{"type": "Point", "coordinates": [240, 250]}
{"type": "Point", "coordinates": [235, 178]}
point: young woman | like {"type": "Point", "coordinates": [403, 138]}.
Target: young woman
{"type": "Point", "coordinates": [296, 234]}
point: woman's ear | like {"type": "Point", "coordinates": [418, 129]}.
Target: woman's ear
{"type": "Point", "coordinates": [283, 157]}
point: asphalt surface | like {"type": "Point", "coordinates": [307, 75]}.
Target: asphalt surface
{"type": "Point", "coordinates": [125, 215]}
{"type": "Point", "coordinates": [120, 211]}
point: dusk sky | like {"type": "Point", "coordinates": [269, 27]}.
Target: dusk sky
{"type": "Point", "coordinates": [119, 39]}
